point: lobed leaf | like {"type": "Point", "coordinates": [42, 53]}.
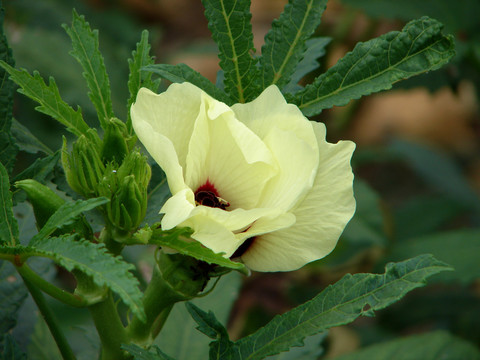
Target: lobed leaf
{"type": "Point", "coordinates": [183, 73]}
{"type": "Point", "coordinates": [229, 23]}
{"type": "Point", "coordinates": [208, 324]}
{"type": "Point", "coordinates": [8, 148]}
{"type": "Point", "coordinates": [40, 169]}
{"type": "Point", "coordinates": [315, 49]}
{"type": "Point", "coordinates": [285, 42]}
{"type": "Point", "coordinates": [178, 239]}
{"type": "Point", "coordinates": [26, 141]}
{"type": "Point", "coordinates": [377, 64]}
{"type": "Point", "coordinates": [8, 224]}
{"type": "Point", "coordinates": [139, 353]}
{"type": "Point", "coordinates": [93, 260]}
{"type": "Point", "coordinates": [138, 79]}
{"type": "Point", "coordinates": [430, 346]}
{"type": "Point", "coordinates": [86, 52]}
{"type": "Point", "coordinates": [48, 97]}
{"type": "Point", "coordinates": [65, 215]}
{"type": "Point", "coordinates": [339, 304]}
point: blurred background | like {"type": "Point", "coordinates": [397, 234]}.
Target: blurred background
{"type": "Point", "coordinates": [417, 163]}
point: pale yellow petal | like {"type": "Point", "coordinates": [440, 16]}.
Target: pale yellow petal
{"type": "Point", "coordinates": [267, 224]}
{"type": "Point", "coordinates": [320, 217]}
{"type": "Point", "coordinates": [297, 163]}
{"type": "Point", "coordinates": [229, 155]}
{"type": "Point", "coordinates": [270, 110]}
{"type": "Point", "coordinates": [212, 234]}
{"type": "Point", "coordinates": [164, 124]}
{"type": "Point", "coordinates": [289, 136]}
{"type": "Point", "coordinates": [171, 113]}
{"type": "Point", "coordinates": [177, 208]}
{"type": "Point", "coordinates": [162, 151]}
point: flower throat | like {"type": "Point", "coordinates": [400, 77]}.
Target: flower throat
{"type": "Point", "coordinates": [207, 195]}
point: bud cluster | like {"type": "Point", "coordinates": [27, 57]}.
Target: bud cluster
{"type": "Point", "coordinates": [110, 168]}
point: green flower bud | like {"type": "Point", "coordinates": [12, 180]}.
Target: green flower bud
{"type": "Point", "coordinates": [186, 275]}
{"type": "Point", "coordinates": [83, 165]}
{"type": "Point", "coordinates": [45, 202]}
{"type": "Point", "coordinates": [127, 208]}
{"type": "Point", "coordinates": [114, 147]}
{"type": "Point", "coordinates": [136, 164]}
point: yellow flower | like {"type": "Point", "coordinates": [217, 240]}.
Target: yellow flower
{"type": "Point", "coordinates": [256, 180]}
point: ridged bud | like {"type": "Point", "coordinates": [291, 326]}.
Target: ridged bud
{"type": "Point", "coordinates": [83, 166]}
{"type": "Point", "coordinates": [114, 147]}
{"type": "Point", "coordinates": [127, 189]}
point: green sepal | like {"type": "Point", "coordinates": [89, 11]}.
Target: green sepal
{"type": "Point", "coordinates": [185, 275]}
{"type": "Point", "coordinates": [114, 146]}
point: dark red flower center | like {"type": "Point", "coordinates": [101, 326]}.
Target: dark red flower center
{"type": "Point", "coordinates": [207, 195]}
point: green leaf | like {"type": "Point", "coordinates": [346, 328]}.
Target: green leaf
{"type": "Point", "coordinates": [339, 304]}
{"type": "Point", "coordinates": [210, 326]}
{"type": "Point", "coordinates": [65, 215]}
{"type": "Point", "coordinates": [377, 64]}
{"type": "Point", "coordinates": [229, 23]}
{"type": "Point", "coordinates": [312, 349]}
{"type": "Point", "coordinates": [137, 79]}
{"type": "Point", "coordinates": [8, 224]}
{"type": "Point", "coordinates": [40, 169]}
{"type": "Point", "coordinates": [460, 248]}
{"type": "Point", "coordinates": [93, 260]}
{"type": "Point", "coordinates": [285, 42]}
{"type": "Point", "coordinates": [207, 322]}
{"type": "Point", "coordinates": [85, 50]}
{"type": "Point", "coordinates": [179, 239]}
{"type": "Point", "coordinates": [142, 354]}
{"type": "Point", "coordinates": [8, 149]}
{"type": "Point", "coordinates": [48, 97]}
{"type": "Point", "coordinates": [430, 346]}
{"type": "Point", "coordinates": [315, 49]}
{"type": "Point", "coordinates": [183, 73]}
{"type": "Point", "coordinates": [179, 337]}
{"type": "Point", "coordinates": [26, 141]}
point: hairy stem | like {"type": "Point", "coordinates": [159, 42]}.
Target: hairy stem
{"type": "Point", "coordinates": [61, 295]}
{"type": "Point", "coordinates": [110, 329]}
{"type": "Point", "coordinates": [158, 300]}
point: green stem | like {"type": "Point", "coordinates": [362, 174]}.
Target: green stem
{"type": "Point", "coordinates": [49, 317]}
{"type": "Point", "coordinates": [110, 329]}
{"type": "Point", "coordinates": [61, 295]}
{"type": "Point", "coordinates": [160, 321]}
{"type": "Point", "coordinates": [158, 300]}
{"type": "Point", "coordinates": [108, 239]}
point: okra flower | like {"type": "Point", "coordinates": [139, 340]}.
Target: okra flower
{"type": "Point", "coordinates": [256, 181]}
